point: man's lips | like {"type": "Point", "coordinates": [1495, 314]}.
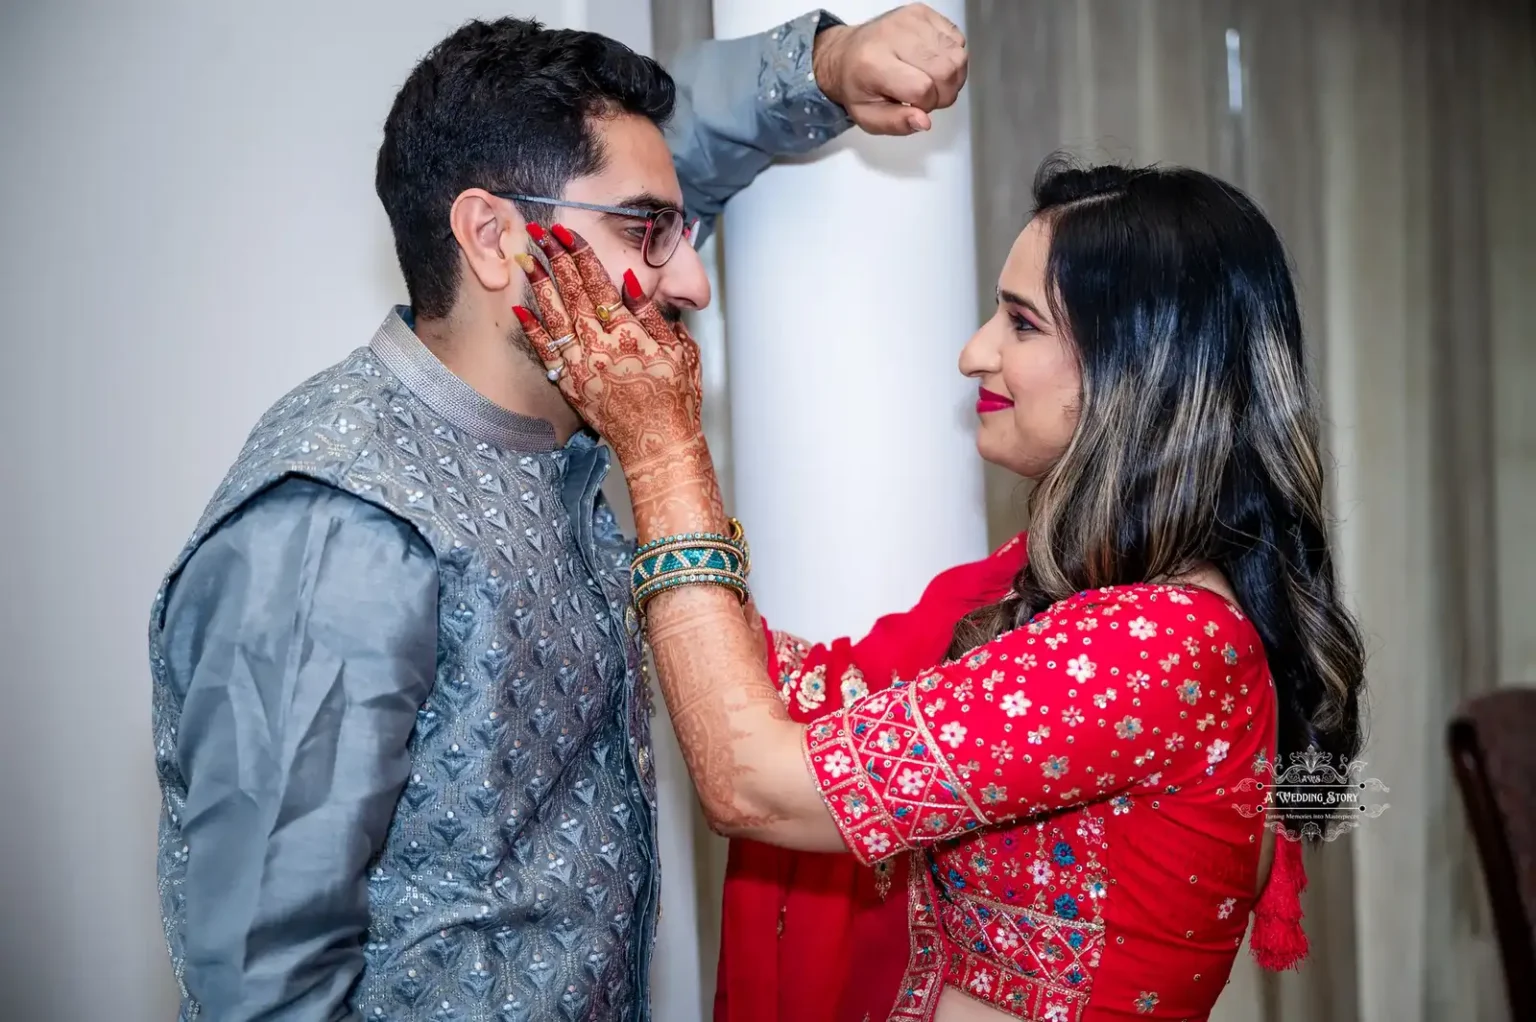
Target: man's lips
{"type": "Point", "coordinates": [986, 401]}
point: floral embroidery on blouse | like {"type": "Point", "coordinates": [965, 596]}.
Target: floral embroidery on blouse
{"type": "Point", "coordinates": [1008, 769]}
{"type": "Point", "coordinates": [789, 651]}
{"type": "Point", "coordinates": [812, 687]}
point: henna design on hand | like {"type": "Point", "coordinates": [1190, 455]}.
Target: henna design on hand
{"type": "Point", "coordinates": [635, 379]}
{"type": "Point", "coordinates": [676, 491]}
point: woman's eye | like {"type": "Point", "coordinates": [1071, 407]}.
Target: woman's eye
{"type": "Point", "coordinates": [636, 234]}
{"type": "Point", "coordinates": [1020, 324]}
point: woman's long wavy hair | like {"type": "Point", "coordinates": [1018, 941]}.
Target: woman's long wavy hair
{"type": "Point", "coordinates": [1197, 434]}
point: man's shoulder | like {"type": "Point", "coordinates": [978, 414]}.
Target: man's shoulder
{"type": "Point", "coordinates": [357, 383]}
{"type": "Point", "coordinates": [317, 431]}
{"type": "Point", "coordinates": [296, 503]}
{"type": "Point", "coordinates": [320, 427]}
{"type": "Point", "coordinates": [298, 515]}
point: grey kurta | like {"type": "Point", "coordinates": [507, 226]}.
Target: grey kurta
{"type": "Point", "coordinates": [303, 642]}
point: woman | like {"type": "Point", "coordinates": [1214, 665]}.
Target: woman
{"type": "Point", "coordinates": [1060, 775]}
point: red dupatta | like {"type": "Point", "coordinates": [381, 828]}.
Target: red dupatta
{"type": "Point", "coordinates": [791, 919]}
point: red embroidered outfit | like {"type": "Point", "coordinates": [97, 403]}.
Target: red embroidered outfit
{"type": "Point", "coordinates": [1063, 796]}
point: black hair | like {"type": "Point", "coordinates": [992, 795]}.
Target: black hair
{"type": "Point", "coordinates": [1198, 436]}
{"type": "Point", "coordinates": [508, 106]}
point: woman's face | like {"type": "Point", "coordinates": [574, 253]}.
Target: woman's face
{"type": "Point", "coordinates": [1025, 365]}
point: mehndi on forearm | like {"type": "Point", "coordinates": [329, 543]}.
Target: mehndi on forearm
{"type": "Point", "coordinates": [675, 492]}
{"type": "Point", "coordinates": [725, 711]}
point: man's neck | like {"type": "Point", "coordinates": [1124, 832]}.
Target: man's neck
{"type": "Point", "coordinates": [483, 356]}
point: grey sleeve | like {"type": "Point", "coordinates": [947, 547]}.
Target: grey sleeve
{"type": "Point", "coordinates": [742, 102]}
{"type": "Point", "coordinates": [302, 636]}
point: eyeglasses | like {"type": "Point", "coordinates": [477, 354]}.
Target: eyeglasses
{"type": "Point", "coordinates": [665, 228]}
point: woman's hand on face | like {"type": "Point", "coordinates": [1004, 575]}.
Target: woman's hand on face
{"type": "Point", "coordinates": [629, 373]}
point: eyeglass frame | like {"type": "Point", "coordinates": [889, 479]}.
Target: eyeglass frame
{"type": "Point", "coordinates": [690, 227]}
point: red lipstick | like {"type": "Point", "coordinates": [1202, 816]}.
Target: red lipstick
{"type": "Point", "coordinates": [986, 401]}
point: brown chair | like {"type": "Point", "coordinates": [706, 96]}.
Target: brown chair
{"type": "Point", "coordinates": [1493, 751]}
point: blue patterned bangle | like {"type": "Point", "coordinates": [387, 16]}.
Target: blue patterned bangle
{"type": "Point", "coordinates": [706, 556]}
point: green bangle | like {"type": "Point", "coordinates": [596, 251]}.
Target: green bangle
{"type": "Point", "coordinates": [692, 558]}
{"type": "Point", "coordinates": [737, 540]}
{"type": "Point", "coordinates": [676, 580]}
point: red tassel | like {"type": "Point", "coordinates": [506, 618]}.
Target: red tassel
{"type": "Point", "coordinates": [1278, 942]}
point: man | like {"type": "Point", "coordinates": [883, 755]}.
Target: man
{"type": "Point", "coordinates": [399, 717]}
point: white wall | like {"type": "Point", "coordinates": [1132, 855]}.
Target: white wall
{"type": "Point", "coordinates": [189, 228]}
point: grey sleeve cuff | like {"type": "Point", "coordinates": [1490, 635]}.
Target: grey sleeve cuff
{"type": "Point", "coordinates": [789, 99]}
{"type": "Point", "coordinates": [742, 102]}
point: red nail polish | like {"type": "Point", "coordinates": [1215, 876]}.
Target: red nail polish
{"type": "Point", "coordinates": [523, 316]}
{"type": "Point", "coordinates": [535, 231]}
{"type": "Point", "coordinates": [566, 237]}
{"type": "Point", "coordinates": [632, 285]}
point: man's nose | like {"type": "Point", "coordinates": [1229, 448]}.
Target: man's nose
{"type": "Point", "coordinates": [684, 283]}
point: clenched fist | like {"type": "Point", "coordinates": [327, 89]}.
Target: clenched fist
{"type": "Point", "coordinates": [892, 72]}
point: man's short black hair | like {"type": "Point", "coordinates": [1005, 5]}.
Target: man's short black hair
{"type": "Point", "coordinates": [505, 105]}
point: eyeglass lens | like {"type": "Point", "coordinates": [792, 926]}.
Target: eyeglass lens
{"type": "Point", "coordinates": [666, 232]}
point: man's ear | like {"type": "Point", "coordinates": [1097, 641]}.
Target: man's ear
{"type": "Point", "coordinates": [489, 232]}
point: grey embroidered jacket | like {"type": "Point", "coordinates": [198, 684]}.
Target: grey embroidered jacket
{"type": "Point", "coordinates": [399, 719]}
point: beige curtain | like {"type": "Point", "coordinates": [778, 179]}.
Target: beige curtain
{"type": "Point", "coordinates": [1394, 144]}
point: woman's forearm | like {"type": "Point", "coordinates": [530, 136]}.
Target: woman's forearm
{"type": "Point", "coordinates": [636, 379]}
{"type": "Point", "coordinates": [741, 747]}
{"type": "Point", "coordinates": [674, 491]}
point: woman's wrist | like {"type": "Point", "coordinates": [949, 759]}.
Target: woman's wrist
{"type": "Point", "coordinates": [674, 491]}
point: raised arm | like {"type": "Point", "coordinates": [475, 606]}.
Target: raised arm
{"type": "Point", "coordinates": [639, 386]}
{"type": "Point", "coordinates": [637, 382]}
{"type": "Point", "coordinates": [743, 102]}
{"type": "Point", "coordinates": [302, 635]}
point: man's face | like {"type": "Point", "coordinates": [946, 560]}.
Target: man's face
{"type": "Point", "coordinates": [639, 174]}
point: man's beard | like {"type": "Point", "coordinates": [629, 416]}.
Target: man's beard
{"type": "Point", "coordinates": [520, 339]}
{"type": "Point", "coordinates": [669, 312]}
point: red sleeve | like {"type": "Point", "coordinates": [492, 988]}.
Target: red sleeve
{"type": "Point", "coordinates": [816, 679]}
{"type": "Point", "coordinates": [1107, 692]}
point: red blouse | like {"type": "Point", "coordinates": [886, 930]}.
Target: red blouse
{"type": "Point", "coordinates": [1063, 793]}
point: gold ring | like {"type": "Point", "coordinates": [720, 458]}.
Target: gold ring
{"type": "Point", "coordinates": [607, 312]}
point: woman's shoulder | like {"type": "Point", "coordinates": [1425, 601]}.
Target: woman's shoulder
{"type": "Point", "coordinates": [1176, 624]}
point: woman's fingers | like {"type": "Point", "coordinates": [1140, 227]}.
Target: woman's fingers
{"type": "Point", "coordinates": [644, 310]}
{"type": "Point", "coordinates": [562, 265]}
{"type": "Point", "coordinates": [606, 303]}
{"type": "Point", "coordinates": [552, 351]}
{"type": "Point", "coordinates": [551, 307]}
{"type": "Point", "coordinates": [558, 351]}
